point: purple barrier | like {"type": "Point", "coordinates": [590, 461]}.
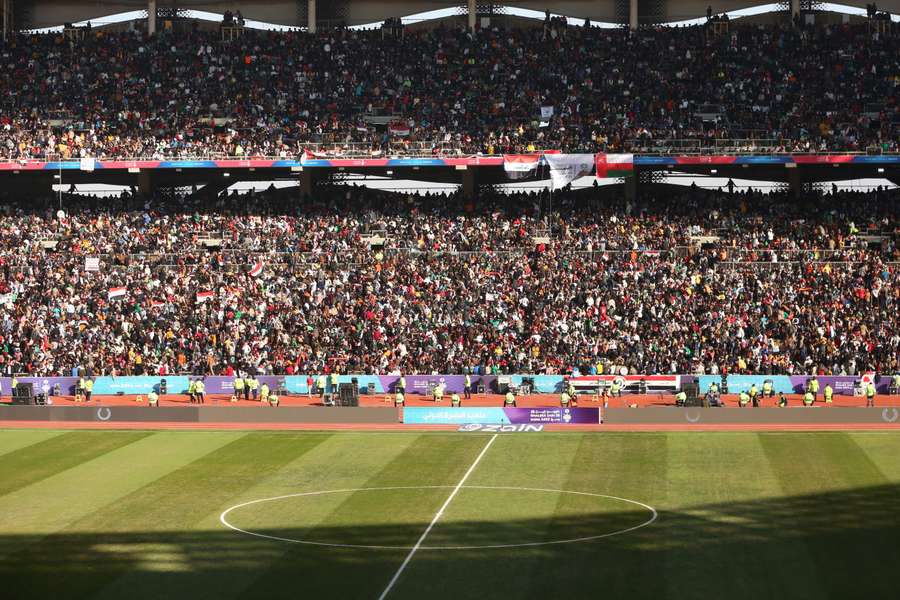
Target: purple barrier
{"type": "Point", "coordinates": [420, 384]}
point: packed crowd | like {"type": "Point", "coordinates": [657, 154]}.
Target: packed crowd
{"type": "Point", "coordinates": [686, 282]}
{"type": "Point", "coordinates": [575, 89]}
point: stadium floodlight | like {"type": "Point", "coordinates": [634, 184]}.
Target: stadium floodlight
{"type": "Point", "coordinates": [713, 171]}
{"type": "Point", "coordinates": [881, 169]}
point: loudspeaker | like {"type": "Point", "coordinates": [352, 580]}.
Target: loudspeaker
{"type": "Point", "coordinates": [348, 394]}
{"type": "Point", "coordinates": [503, 382]}
{"type": "Point", "coordinates": [692, 390]}
{"type": "Point", "coordinates": [25, 390]}
{"type": "Point", "coordinates": [162, 387]}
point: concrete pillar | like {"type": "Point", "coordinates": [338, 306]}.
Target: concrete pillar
{"type": "Point", "coordinates": [146, 185]}
{"type": "Point", "coordinates": [795, 8]}
{"type": "Point", "coordinates": [151, 17]}
{"type": "Point", "coordinates": [795, 183]}
{"type": "Point", "coordinates": [472, 13]}
{"type": "Point", "coordinates": [311, 16]}
{"type": "Point", "coordinates": [469, 189]}
{"type": "Point", "coordinates": [306, 183]}
{"type": "Point", "coordinates": [633, 14]}
{"type": "Point", "coordinates": [631, 187]}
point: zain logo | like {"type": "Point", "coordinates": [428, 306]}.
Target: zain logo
{"type": "Point", "coordinates": [890, 419]}
{"type": "Point", "coordinates": [692, 418]}
{"type": "Point", "coordinates": [102, 416]}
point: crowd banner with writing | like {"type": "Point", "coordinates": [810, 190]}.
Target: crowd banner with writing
{"type": "Point", "coordinates": [614, 165]}
{"type": "Point", "coordinates": [628, 383]}
{"type": "Point", "coordinates": [566, 168]}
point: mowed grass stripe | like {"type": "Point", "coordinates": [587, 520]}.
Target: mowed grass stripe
{"type": "Point", "coordinates": [374, 517]}
{"type": "Point", "coordinates": [487, 517]}
{"type": "Point", "coordinates": [14, 439]}
{"type": "Point", "coordinates": [222, 563]}
{"type": "Point", "coordinates": [723, 496]}
{"type": "Point", "coordinates": [883, 449]}
{"type": "Point", "coordinates": [58, 453]}
{"type": "Point", "coordinates": [147, 544]}
{"type": "Point", "coordinates": [55, 502]}
{"type": "Point", "coordinates": [840, 506]}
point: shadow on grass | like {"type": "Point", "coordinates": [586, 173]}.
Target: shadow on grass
{"type": "Point", "coordinates": [840, 544]}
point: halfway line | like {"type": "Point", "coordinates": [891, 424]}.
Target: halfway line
{"type": "Point", "coordinates": [435, 519]}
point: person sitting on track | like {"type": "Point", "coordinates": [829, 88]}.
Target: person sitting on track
{"type": "Point", "coordinates": [681, 398]}
{"type": "Point", "coordinates": [743, 399]}
{"type": "Point", "coordinates": [828, 393]}
{"type": "Point", "coordinates": [454, 400]}
{"type": "Point", "coordinates": [782, 400]}
{"type": "Point", "coordinates": [399, 399]}
{"type": "Point", "coordinates": [808, 398]}
{"type": "Point", "coordinates": [564, 400]}
{"type": "Point", "coordinates": [509, 399]}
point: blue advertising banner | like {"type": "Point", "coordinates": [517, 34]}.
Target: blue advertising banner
{"type": "Point", "coordinates": [420, 415]}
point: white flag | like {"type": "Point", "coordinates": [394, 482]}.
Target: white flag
{"type": "Point", "coordinates": [566, 168]}
{"type": "Point", "coordinates": [87, 164]}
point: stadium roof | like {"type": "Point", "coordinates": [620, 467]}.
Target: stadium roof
{"type": "Point", "coordinates": [33, 14]}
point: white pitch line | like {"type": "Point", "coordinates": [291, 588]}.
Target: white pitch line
{"type": "Point", "coordinates": [435, 519]}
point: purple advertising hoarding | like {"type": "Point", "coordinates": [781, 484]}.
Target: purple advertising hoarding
{"type": "Point", "coordinates": [551, 415]}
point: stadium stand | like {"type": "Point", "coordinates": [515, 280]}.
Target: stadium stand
{"type": "Point", "coordinates": [446, 90]}
{"type": "Point", "coordinates": [687, 281]}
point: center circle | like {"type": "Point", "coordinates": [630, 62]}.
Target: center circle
{"type": "Point", "coordinates": [224, 517]}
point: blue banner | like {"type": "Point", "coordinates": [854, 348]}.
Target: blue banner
{"type": "Point", "coordinates": [418, 415]}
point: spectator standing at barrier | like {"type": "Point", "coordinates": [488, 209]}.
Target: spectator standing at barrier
{"type": "Point", "coordinates": [828, 393]}
{"type": "Point", "coordinates": [870, 394]}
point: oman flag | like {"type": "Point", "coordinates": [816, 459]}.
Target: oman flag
{"type": "Point", "coordinates": [615, 165]}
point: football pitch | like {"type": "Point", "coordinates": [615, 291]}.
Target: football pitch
{"type": "Point", "coordinates": [233, 515]}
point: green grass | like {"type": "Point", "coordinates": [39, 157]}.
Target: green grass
{"type": "Point", "coordinates": [113, 515]}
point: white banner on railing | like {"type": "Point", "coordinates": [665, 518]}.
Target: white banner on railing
{"type": "Point", "coordinates": [566, 168]}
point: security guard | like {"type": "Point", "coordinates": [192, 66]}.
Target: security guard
{"type": "Point", "coordinates": [782, 401]}
{"type": "Point", "coordinates": [454, 400]}
{"type": "Point", "coordinates": [320, 385]}
{"type": "Point", "coordinates": [870, 394]}
{"type": "Point", "coordinates": [14, 385]}
{"type": "Point", "coordinates": [274, 401]}
{"type": "Point", "coordinates": [80, 387]}
{"type": "Point", "coordinates": [813, 387]}
{"type": "Point", "coordinates": [509, 400]}
{"type": "Point", "coordinates": [252, 389]}
{"type": "Point", "coordinates": [829, 392]}
{"type": "Point", "coordinates": [200, 391]}
{"type": "Point", "coordinates": [564, 400]}
{"type": "Point", "coordinates": [467, 390]}
{"type": "Point", "coordinates": [153, 398]}
{"type": "Point", "coordinates": [680, 398]}
{"type": "Point", "coordinates": [88, 389]}
{"type": "Point", "coordinates": [238, 386]}
{"type": "Point", "coordinates": [616, 389]}
{"type": "Point", "coordinates": [264, 393]}
{"type": "Point", "coordinates": [192, 390]}
{"type": "Point", "coordinates": [743, 399]}
{"type": "Point", "coordinates": [399, 400]}
{"type": "Point", "coordinates": [808, 398]}
{"type": "Point", "coordinates": [334, 382]}
{"type": "Point", "coordinates": [754, 396]}
{"type": "Point", "coordinates": [895, 385]}
{"type": "Point", "coordinates": [401, 385]}
{"type": "Point", "coordinates": [768, 392]}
